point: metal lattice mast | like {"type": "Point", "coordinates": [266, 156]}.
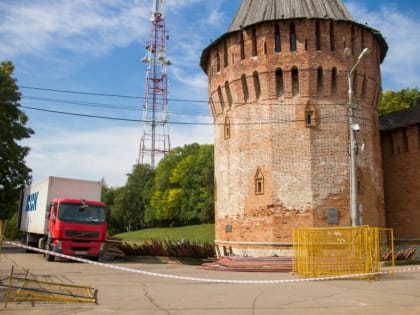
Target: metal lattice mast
{"type": "Point", "coordinates": [155, 135]}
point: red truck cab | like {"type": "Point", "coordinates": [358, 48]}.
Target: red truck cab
{"type": "Point", "coordinates": [76, 228]}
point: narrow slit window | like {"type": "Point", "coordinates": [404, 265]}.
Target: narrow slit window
{"type": "Point", "coordinates": [332, 37]}
{"type": "Point", "coordinates": [227, 128]}
{"type": "Point", "coordinates": [254, 43]}
{"type": "Point", "coordinates": [218, 60]}
{"type": "Point", "coordinates": [257, 85]}
{"type": "Point", "coordinates": [318, 36]}
{"type": "Point", "coordinates": [212, 108]}
{"type": "Point", "coordinates": [221, 100]}
{"type": "Point", "coordinates": [242, 44]}
{"type": "Point", "coordinates": [292, 37]}
{"type": "Point", "coordinates": [229, 94]}
{"type": "Point", "coordinates": [310, 116]}
{"type": "Point", "coordinates": [225, 54]}
{"type": "Point", "coordinates": [245, 88]}
{"type": "Point", "coordinates": [259, 183]}
{"type": "Point", "coordinates": [362, 40]}
{"type": "Point", "coordinates": [364, 86]}
{"type": "Point", "coordinates": [295, 81]}
{"type": "Point", "coordinates": [353, 40]}
{"type": "Point", "coordinates": [279, 82]}
{"type": "Point", "coordinates": [277, 39]}
{"type": "Point", "coordinates": [320, 82]}
{"type": "Point", "coordinates": [334, 82]}
{"type": "Point", "coordinates": [405, 140]}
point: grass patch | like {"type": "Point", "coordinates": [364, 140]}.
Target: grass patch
{"type": "Point", "coordinates": [203, 233]}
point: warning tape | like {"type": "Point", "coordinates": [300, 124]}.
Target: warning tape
{"type": "Point", "coordinates": [209, 280]}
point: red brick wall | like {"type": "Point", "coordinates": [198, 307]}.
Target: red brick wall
{"type": "Point", "coordinates": [401, 164]}
{"type": "Point", "coordinates": [305, 169]}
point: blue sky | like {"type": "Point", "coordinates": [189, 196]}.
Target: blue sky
{"type": "Point", "coordinates": [96, 46]}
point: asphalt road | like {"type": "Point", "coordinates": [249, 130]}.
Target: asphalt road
{"type": "Point", "coordinates": [128, 292]}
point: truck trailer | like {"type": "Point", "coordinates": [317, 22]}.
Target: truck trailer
{"type": "Point", "coordinates": [64, 215]}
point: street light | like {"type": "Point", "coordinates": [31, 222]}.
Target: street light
{"type": "Point", "coordinates": [352, 143]}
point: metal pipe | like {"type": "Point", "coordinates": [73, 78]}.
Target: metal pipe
{"type": "Point", "coordinates": [352, 144]}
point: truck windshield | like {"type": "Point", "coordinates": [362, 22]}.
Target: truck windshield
{"type": "Point", "coordinates": [71, 212]}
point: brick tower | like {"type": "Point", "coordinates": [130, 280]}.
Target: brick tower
{"type": "Point", "coordinates": [279, 82]}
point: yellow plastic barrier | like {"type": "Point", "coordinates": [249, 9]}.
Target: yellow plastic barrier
{"type": "Point", "coordinates": [324, 252]}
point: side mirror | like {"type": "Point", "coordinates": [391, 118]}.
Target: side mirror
{"type": "Point", "coordinates": [48, 211]}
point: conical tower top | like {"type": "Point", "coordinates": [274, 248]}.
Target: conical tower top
{"type": "Point", "coordinates": [253, 12]}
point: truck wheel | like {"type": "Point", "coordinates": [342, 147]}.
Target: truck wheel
{"type": "Point", "coordinates": [49, 257]}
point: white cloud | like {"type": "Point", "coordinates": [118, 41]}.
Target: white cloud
{"type": "Point", "coordinates": [401, 31]}
{"type": "Point", "coordinates": [106, 153]}
{"type": "Point", "coordinates": [79, 26]}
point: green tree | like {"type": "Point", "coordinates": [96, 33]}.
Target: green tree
{"type": "Point", "coordinates": [197, 185]}
{"type": "Point", "coordinates": [392, 101]}
{"type": "Point", "coordinates": [184, 186]}
{"type": "Point", "coordinates": [162, 204]}
{"type": "Point", "coordinates": [128, 203]}
{"type": "Point", "coordinates": [14, 174]}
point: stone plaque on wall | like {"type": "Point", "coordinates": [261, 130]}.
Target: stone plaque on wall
{"type": "Point", "coordinates": [332, 216]}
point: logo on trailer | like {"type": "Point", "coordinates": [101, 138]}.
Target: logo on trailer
{"type": "Point", "coordinates": [31, 202]}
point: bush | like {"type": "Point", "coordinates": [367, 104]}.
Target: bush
{"type": "Point", "coordinates": [11, 231]}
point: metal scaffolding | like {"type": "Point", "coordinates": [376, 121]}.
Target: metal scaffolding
{"type": "Point", "coordinates": [155, 135]}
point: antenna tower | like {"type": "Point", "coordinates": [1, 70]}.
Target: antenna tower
{"type": "Point", "coordinates": [155, 135]}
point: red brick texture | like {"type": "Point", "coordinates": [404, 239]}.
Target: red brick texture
{"type": "Point", "coordinates": [293, 140]}
{"type": "Point", "coordinates": [401, 152]}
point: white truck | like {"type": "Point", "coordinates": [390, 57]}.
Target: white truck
{"type": "Point", "coordinates": [64, 215]}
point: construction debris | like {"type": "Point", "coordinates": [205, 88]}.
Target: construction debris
{"type": "Point", "coordinates": [400, 254]}
{"type": "Point", "coordinates": [250, 264]}
{"type": "Point", "coordinates": [168, 248]}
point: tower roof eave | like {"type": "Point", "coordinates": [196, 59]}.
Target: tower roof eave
{"type": "Point", "coordinates": [381, 40]}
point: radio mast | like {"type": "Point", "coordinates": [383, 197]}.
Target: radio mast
{"type": "Point", "coordinates": [154, 140]}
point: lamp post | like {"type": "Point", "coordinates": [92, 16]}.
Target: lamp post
{"type": "Point", "coordinates": [352, 143]}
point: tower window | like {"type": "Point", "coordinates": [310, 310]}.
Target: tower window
{"type": "Point", "coordinates": [292, 37]}
{"type": "Point", "coordinates": [317, 36]}
{"type": "Point", "coordinates": [257, 85]}
{"type": "Point", "coordinates": [364, 86]}
{"type": "Point", "coordinates": [227, 128]}
{"type": "Point", "coordinates": [259, 183]}
{"type": "Point", "coordinates": [279, 82]}
{"type": "Point", "coordinates": [362, 40]}
{"type": "Point", "coordinates": [310, 116]}
{"type": "Point", "coordinates": [353, 40]}
{"type": "Point", "coordinates": [242, 44]}
{"type": "Point", "coordinates": [225, 54]}
{"type": "Point", "coordinates": [229, 94]}
{"type": "Point", "coordinates": [212, 108]}
{"type": "Point", "coordinates": [332, 37]}
{"type": "Point", "coordinates": [254, 43]}
{"type": "Point", "coordinates": [277, 39]}
{"type": "Point", "coordinates": [221, 100]}
{"type": "Point", "coordinates": [295, 81]}
{"type": "Point", "coordinates": [217, 60]}
{"type": "Point", "coordinates": [245, 88]}
{"type": "Point", "coordinates": [320, 82]}
{"type": "Point", "coordinates": [405, 140]}
{"type": "Point", "coordinates": [334, 82]}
